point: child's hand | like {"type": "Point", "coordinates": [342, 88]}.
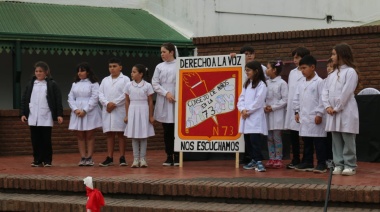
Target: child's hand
{"type": "Point", "coordinates": [232, 54]}
{"type": "Point", "coordinates": [297, 117]}
{"type": "Point", "coordinates": [126, 119]}
{"type": "Point", "coordinates": [110, 107]}
{"type": "Point", "coordinates": [24, 119]}
{"type": "Point", "coordinates": [170, 97]}
{"type": "Point", "coordinates": [244, 114]}
{"type": "Point", "coordinates": [77, 112]}
{"type": "Point", "coordinates": [82, 113]}
{"type": "Point", "coordinates": [269, 108]}
{"type": "Point", "coordinates": [151, 120]}
{"type": "Point", "coordinates": [60, 120]}
{"type": "Point", "coordinates": [330, 111]}
{"type": "Point", "coordinates": [318, 120]}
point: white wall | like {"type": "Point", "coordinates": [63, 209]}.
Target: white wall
{"type": "Point", "coordinates": [197, 18]}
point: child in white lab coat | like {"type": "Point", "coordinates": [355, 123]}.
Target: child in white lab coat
{"type": "Point", "coordinates": [295, 77]}
{"type": "Point", "coordinates": [309, 112]}
{"type": "Point", "coordinates": [112, 97]}
{"type": "Point", "coordinates": [253, 122]}
{"type": "Point", "coordinates": [276, 100]}
{"type": "Point", "coordinates": [340, 104]}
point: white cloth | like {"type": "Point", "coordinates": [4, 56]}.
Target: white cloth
{"type": "Point", "coordinates": [112, 90]}
{"type": "Point", "coordinates": [164, 81]}
{"type": "Point", "coordinates": [307, 102]}
{"type": "Point", "coordinates": [253, 100]}
{"type": "Point", "coordinates": [138, 125]}
{"type": "Point", "coordinates": [39, 111]}
{"type": "Point", "coordinates": [294, 79]}
{"type": "Point", "coordinates": [84, 95]}
{"type": "Point", "coordinates": [338, 93]}
{"type": "Point", "coordinates": [277, 98]}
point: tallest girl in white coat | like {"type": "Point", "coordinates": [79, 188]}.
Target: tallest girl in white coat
{"type": "Point", "coordinates": [340, 104]}
{"type": "Point", "coordinates": [164, 82]}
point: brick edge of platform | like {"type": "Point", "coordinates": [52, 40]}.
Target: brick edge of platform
{"type": "Point", "coordinates": [196, 189]}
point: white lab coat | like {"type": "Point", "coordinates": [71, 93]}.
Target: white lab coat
{"type": "Point", "coordinates": [39, 111]}
{"type": "Point", "coordinates": [164, 81]}
{"type": "Point", "coordinates": [84, 95]}
{"type": "Point", "coordinates": [338, 93]}
{"type": "Point", "coordinates": [307, 102]}
{"type": "Point", "coordinates": [253, 100]}
{"type": "Point", "coordinates": [277, 98]}
{"type": "Point", "coordinates": [112, 90]}
{"type": "Point", "coordinates": [294, 79]}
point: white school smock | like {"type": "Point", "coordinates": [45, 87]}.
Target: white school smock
{"type": "Point", "coordinates": [307, 102]}
{"type": "Point", "coordinates": [338, 93]}
{"type": "Point", "coordinates": [277, 98]}
{"type": "Point", "coordinates": [40, 114]}
{"type": "Point", "coordinates": [294, 79]}
{"type": "Point", "coordinates": [163, 81]}
{"type": "Point", "coordinates": [253, 100]}
{"type": "Point", "coordinates": [112, 90]}
{"type": "Point", "coordinates": [138, 125]}
{"type": "Point", "coordinates": [84, 95]}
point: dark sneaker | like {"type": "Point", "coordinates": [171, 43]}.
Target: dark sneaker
{"type": "Point", "coordinates": [321, 168]}
{"type": "Point", "coordinates": [36, 164]}
{"type": "Point", "coordinates": [169, 161]}
{"type": "Point", "coordinates": [107, 162]}
{"type": "Point", "coordinates": [250, 165]}
{"type": "Point", "coordinates": [89, 162]}
{"type": "Point", "coordinates": [122, 161]}
{"type": "Point", "coordinates": [304, 167]}
{"type": "Point", "coordinates": [82, 162]}
{"type": "Point", "coordinates": [293, 164]}
{"type": "Point", "coordinates": [47, 164]}
{"type": "Point", "coordinates": [176, 160]}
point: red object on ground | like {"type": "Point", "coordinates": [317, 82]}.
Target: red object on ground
{"type": "Point", "coordinates": [95, 199]}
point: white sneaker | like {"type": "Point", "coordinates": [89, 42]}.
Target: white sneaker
{"type": "Point", "coordinates": [349, 171]}
{"type": "Point", "coordinates": [338, 170]}
{"type": "Point", "coordinates": [143, 163]}
{"type": "Point", "coordinates": [135, 163]}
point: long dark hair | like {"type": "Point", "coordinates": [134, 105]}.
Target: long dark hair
{"type": "Point", "coordinates": [84, 66]}
{"type": "Point", "coordinates": [259, 76]}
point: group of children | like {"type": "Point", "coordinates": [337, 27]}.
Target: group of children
{"type": "Point", "coordinates": [307, 106]}
{"type": "Point", "coordinates": [127, 110]}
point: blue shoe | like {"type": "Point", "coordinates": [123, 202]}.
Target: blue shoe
{"type": "Point", "coordinates": [260, 167]}
{"type": "Point", "coordinates": [250, 165]}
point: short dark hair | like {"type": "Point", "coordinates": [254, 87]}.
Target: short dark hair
{"type": "Point", "coordinates": [329, 61]}
{"type": "Point", "coordinates": [115, 60]}
{"type": "Point", "coordinates": [301, 51]}
{"type": "Point", "coordinates": [247, 48]}
{"type": "Point", "coordinates": [308, 60]}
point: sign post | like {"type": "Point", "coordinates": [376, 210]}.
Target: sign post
{"type": "Point", "coordinates": [206, 116]}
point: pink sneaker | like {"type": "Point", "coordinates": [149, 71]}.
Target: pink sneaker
{"type": "Point", "coordinates": [270, 163]}
{"type": "Point", "coordinates": [278, 164]}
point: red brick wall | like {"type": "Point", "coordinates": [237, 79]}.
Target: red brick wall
{"type": "Point", "coordinates": [365, 42]}
{"type": "Point", "coordinates": [15, 136]}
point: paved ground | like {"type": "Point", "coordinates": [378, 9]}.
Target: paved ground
{"type": "Point", "coordinates": [215, 170]}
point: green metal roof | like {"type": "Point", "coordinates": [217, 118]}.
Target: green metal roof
{"type": "Point", "coordinates": [84, 24]}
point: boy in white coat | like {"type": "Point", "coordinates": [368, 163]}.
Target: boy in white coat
{"type": "Point", "coordinates": [309, 112]}
{"type": "Point", "coordinates": [112, 97]}
{"type": "Point", "coordinates": [295, 77]}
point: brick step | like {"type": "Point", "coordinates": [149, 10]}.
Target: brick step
{"type": "Point", "coordinates": [212, 190]}
{"type": "Point", "coordinates": [75, 203]}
